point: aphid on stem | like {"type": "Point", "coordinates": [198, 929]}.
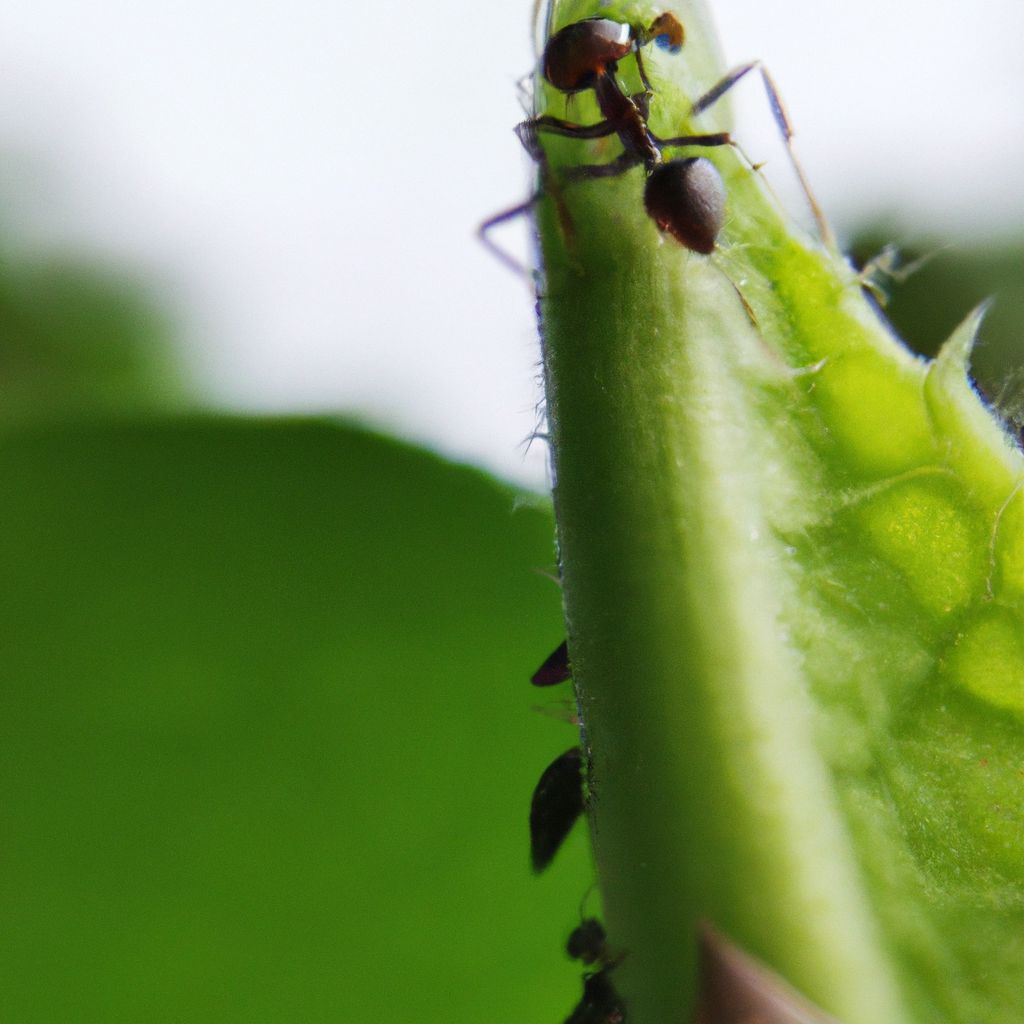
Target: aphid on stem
{"type": "Point", "coordinates": [555, 669]}
{"type": "Point", "coordinates": [556, 804]}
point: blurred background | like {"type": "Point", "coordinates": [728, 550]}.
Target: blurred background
{"type": "Point", "coordinates": [267, 743]}
{"type": "Point", "coordinates": [296, 188]}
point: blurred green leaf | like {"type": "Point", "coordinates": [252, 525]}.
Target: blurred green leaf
{"type": "Point", "coordinates": [77, 340]}
{"type": "Point", "coordinates": [267, 744]}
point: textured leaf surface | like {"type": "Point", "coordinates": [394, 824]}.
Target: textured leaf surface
{"type": "Point", "coordinates": [793, 558]}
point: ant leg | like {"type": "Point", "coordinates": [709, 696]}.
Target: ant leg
{"type": "Point", "coordinates": [527, 133]}
{"type": "Point", "coordinates": [482, 232]}
{"type": "Point", "coordinates": [641, 69]}
{"type": "Point", "coordinates": [713, 139]}
{"type": "Point", "coordinates": [784, 123]}
{"type": "Point", "coordinates": [585, 172]}
{"type": "Point", "coordinates": [720, 88]}
{"type": "Point", "coordinates": [525, 92]}
{"type": "Point", "coordinates": [568, 129]}
{"type": "Point", "coordinates": [785, 126]}
{"type": "Point", "coordinates": [527, 130]}
{"type": "Point", "coordinates": [548, 188]}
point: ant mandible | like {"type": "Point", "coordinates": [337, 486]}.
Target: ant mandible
{"type": "Point", "coordinates": [684, 197]}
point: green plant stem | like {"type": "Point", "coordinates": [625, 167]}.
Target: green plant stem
{"type": "Point", "coordinates": [691, 696]}
{"type": "Point", "coordinates": [762, 526]}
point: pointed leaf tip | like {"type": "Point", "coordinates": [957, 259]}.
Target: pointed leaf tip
{"type": "Point", "coordinates": [971, 438]}
{"type": "Point", "coordinates": [956, 350]}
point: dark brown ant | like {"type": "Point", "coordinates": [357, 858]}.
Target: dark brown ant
{"type": "Point", "coordinates": [601, 1003]}
{"type": "Point", "coordinates": [588, 942]}
{"type": "Point", "coordinates": [585, 55]}
{"type": "Point", "coordinates": [555, 668]}
{"type": "Point", "coordinates": [684, 197]}
{"type": "Point", "coordinates": [556, 804]}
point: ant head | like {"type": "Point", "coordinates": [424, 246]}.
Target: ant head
{"type": "Point", "coordinates": [577, 55]}
{"type": "Point", "coordinates": [587, 941]}
{"type": "Point", "coordinates": [667, 32]}
{"type": "Point", "coordinates": [686, 199]}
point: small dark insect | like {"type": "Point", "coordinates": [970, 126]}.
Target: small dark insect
{"type": "Point", "coordinates": [600, 1004]}
{"type": "Point", "coordinates": [555, 668]}
{"type": "Point", "coordinates": [684, 197]}
{"type": "Point", "coordinates": [556, 804]}
{"type": "Point", "coordinates": [588, 942]}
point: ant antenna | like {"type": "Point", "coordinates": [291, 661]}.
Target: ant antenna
{"type": "Point", "coordinates": [785, 126]}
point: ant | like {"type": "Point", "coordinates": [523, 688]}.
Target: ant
{"type": "Point", "coordinates": [601, 1003]}
{"type": "Point", "coordinates": [684, 197]}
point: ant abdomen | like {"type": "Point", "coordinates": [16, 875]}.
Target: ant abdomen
{"type": "Point", "coordinates": [686, 199]}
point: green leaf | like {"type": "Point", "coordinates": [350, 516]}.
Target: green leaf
{"type": "Point", "coordinates": [77, 341]}
{"type": "Point", "coordinates": [792, 559]}
{"type": "Point", "coordinates": [267, 748]}
{"type": "Point", "coordinates": [935, 280]}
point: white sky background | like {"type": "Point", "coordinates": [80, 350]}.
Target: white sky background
{"type": "Point", "coordinates": [304, 180]}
